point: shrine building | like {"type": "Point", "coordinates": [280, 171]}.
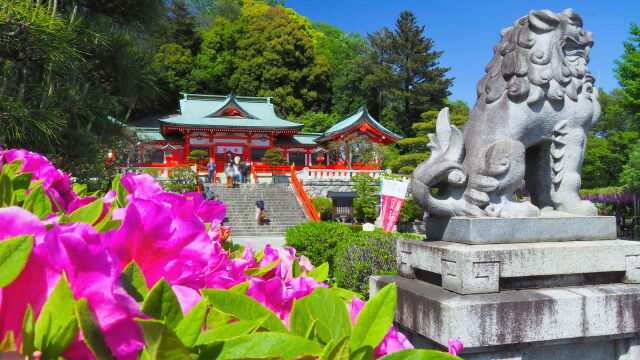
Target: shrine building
{"type": "Point", "coordinates": [247, 126]}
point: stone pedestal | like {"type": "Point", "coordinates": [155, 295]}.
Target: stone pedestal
{"type": "Point", "coordinates": [598, 322]}
{"type": "Point", "coordinates": [519, 300]}
{"type": "Point", "coordinates": [517, 230]}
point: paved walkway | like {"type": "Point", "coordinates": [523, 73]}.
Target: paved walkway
{"type": "Point", "coordinates": [258, 242]}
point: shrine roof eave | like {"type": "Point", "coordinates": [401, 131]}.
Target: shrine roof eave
{"type": "Point", "coordinates": [208, 128]}
{"type": "Point", "coordinates": [354, 120]}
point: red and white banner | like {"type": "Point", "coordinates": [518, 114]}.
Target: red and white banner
{"type": "Point", "coordinates": [392, 193]}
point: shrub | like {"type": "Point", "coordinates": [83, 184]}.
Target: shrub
{"type": "Point", "coordinates": [197, 155]}
{"type": "Point", "coordinates": [182, 179]}
{"type": "Point", "coordinates": [355, 227]}
{"type": "Point", "coordinates": [319, 240]}
{"type": "Point", "coordinates": [374, 253]}
{"type": "Point", "coordinates": [155, 173]}
{"type": "Point", "coordinates": [410, 211]}
{"type": "Point", "coordinates": [324, 207]}
{"type": "Point", "coordinates": [407, 160]}
{"type": "Point", "coordinates": [406, 170]}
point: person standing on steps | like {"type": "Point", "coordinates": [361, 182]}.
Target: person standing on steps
{"type": "Point", "coordinates": [211, 168]}
{"type": "Point", "coordinates": [260, 213]}
{"type": "Point", "coordinates": [246, 171]}
{"type": "Point", "coordinates": [209, 194]}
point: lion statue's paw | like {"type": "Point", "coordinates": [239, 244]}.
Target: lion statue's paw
{"type": "Point", "coordinates": [511, 209]}
{"type": "Point", "coordinates": [582, 207]}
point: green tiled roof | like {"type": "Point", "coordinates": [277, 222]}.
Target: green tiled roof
{"type": "Point", "coordinates": [148, 134]}
{"type": "Point", "coordinates": [355, 119]}
{"type": "Point", "coordinates": [299, 139]}
{"type": "Point", "coordinates": [200, 111]}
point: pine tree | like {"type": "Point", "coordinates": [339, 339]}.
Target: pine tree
{"type": "Point", "coordinates": [628, 71]}
{"type": "Point", "coordinates": [406, 74]}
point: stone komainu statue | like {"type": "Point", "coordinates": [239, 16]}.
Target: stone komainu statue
{"type": "Point", "coordinates": [535, 105]}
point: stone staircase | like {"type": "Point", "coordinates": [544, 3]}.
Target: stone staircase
{"type": "Point", "coordinates": [280, 202]}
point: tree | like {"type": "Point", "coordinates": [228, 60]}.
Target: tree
{"type": "Point", "coordinates": [274, 157]}
{"type": "Point", "coordinates": [197, 155]}
{"type": "Point", "coordinates": [614, 117]}
{"type": "Point", "coordinates": [405, 73]}
{"type": "Point", "coordinates": [316, 122]}
{"type": "Point", "coordinates": [628, 72]}
{"type": "Point", "coordinates": [364, 206]}
{"type": "Point", "coordinates": [277, 59]}
{"type": "Point", "coordinates": [181, 26]}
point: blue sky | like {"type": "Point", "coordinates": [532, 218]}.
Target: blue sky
{"type": "Point", "coordinates": [467, 30]}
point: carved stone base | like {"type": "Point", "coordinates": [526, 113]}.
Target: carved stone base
{"type": "Point", "coordinates": [477, 269]}
{"type": "Point", "coordinates": [581, 322]}
{"type": "Point", "coordinates": [518, 230]}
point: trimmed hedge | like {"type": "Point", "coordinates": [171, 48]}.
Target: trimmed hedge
{"type": "Point", "coordinates": [319, 241]}
{"type": "Point", "coordinates": [374, 253]}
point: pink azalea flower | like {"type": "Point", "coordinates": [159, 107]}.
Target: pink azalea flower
{"type": "Point", "coordinates": [392, 342]}
{"type": "Point", "coordinates": [75, 249]}
{"type": "Point", "coordinates": [55, 183]}
{"type": "Point", "coordinates": [455, 346]}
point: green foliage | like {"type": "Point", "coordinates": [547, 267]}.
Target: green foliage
{"type": "Point", "coordinates": [274, 157]}
{"type": "Point", "coordinates": [324, 207]}
{"type": "Point", "coordinates": [373, 253]}
{"type": "Point", "coordinates": [181, 179]}
{"type": "Point", "coordinates": [364, 206]}
{"type": "Point", "coordinates": [56, 326]}
{"type": "Point", "coordinates": [605, 157]}
{"type": "Point", "coordinates": [407, 162]}
{"type": "Point", "coordinates": [282, 67]}
{"type": "Point", "coordinates": [90, 329]}
{"type": "Point", "coordinates": [628, 72]}
{"type": "Point", "coordinates": [630, 176]}
{"type": "Point", "coordinates": [405, 72]}
{"type": "Point", "coordinates": [197, 155]}
{"type": "Point", "coordinates": [410, 211]}
{"type": "Point", "coordinates": [414, 145]}
{"type": "Point", "coordinates": [374, 319]}
{"type": "Point", "coordinates": [316, 122]}
{"type": "Point", "coordinates": [356, 149]}
{"type": "Point", "coordinates": [318, 241]}
{"type": "Point", "coordinates": [14, 253]}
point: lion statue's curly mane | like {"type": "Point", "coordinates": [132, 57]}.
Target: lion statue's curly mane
{"type": "Point", "coordinates": [535, 104]}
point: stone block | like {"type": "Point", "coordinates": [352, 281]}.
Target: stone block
{"type": "Point", "coordinates": [518, 230]}
{"type": "Point", "coordinates": [475, 269]}
{"type": "Point", "coordinates": [503, 320]}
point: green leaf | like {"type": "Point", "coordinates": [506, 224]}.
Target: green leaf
{"type": "Point", "coordinates": [8, 343]}
{"type": "Point", "coordinates": [38, 203]}
{"type": "Point", "coordinates": [12, 168]}
{"type": "Point", "coordinates": [240, 288]}
{"type": "Point", "coordinates": [320, 273]}
{"type": "Point", "coordinates": [162, 304]}
{"type": "Point", "coordinates": [261, 271]}
{"type": "Point", "coordinates": [28, 330]}
{"type": "Point", "coordinates": [345, 294]}
{"type": "Point", "coordinates": [103, 227]}
{"type": "Point", "coordinates": [87, 214]}
{"type": "Point", "coordinates": [162, 343]}
{"type": "Point", "coordinates": [191, 325]}
{"type": "Point", "coordinates": [337, 351]}
{"type": "Point", "coordinates": [415, 354]}
{"type": "Point", "coordinates": [79, 189]}
{"type": "Point", "coordinates": [56, 326]}
{"type": "Point", "coordinates": [228, 331]}
{"type": "Point", "coordinates": [268, 345]}
{"type": "Point", "coordinates": [296, 269]}
{"type": "Point", "coordinates": [375, 319]}
{"type": "Point", "coordinates": [121, 192]}
{"type": "Point", "coordinates": [133, 282]}
{"type": "Point", "coordinates": [6, 190]}
{"type": "Point", "coordinates": [325, 307]}
{"type": "Point", "coordinates": [14, 253]}
{"type": "Point", "coordinates": [363, 353]}
{"type": "Point", "coordinates": [243, 307]}
{"type": "Point", "coordinates": [20, 185]}
{"type": "Point", "coordinates": [91, 332]}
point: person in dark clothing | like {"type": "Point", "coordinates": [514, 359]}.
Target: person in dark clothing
{"type": "Point", "coordinates": [229, 157]}
{"type": "Point", "coordinates": [209, 194]}
{"type": "Point", "coordinates": [211, 168]}
{"type": "Point", "coordinates": [246, 170]}
{"type": "Point", "coordinates": [260, 212]}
